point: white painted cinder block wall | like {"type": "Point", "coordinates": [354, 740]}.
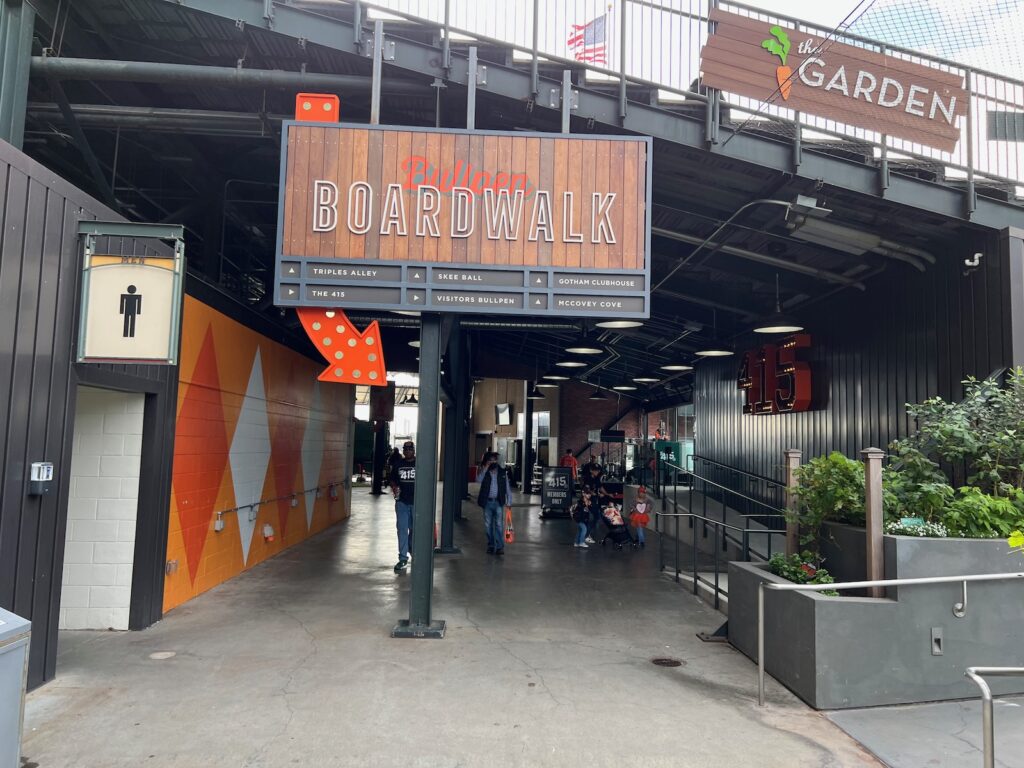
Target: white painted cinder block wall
{"type": "Point", "coordinates": [102, 507]}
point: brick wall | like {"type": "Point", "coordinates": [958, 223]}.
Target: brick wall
{"type": "Point", "coordinates": [102, 509]}
{"type": "Point", "coordinates": [578, 415]}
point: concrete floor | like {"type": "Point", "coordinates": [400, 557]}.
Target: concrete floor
{"type": "Point", "coordinates": [546, 662]}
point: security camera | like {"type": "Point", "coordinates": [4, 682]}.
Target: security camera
{"type": "Point", "coordinates": [974, 262]}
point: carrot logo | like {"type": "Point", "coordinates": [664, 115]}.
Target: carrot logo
{"type": "Point", "coordinates": [779, 45]}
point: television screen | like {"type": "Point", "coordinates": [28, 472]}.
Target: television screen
{"type": "Point", "coordinates": [503, 414]}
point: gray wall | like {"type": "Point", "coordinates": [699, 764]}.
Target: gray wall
{"type": "Point", "coordinates": [40, 265]}
{"type": "Point", "coordinates": [910, 336]}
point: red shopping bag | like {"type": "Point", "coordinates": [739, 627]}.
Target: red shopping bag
{"type": "Point", "coordinates": [510, 532]}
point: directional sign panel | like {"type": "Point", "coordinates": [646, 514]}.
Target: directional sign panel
{"type": "Point", "coordinates": [463, 221]}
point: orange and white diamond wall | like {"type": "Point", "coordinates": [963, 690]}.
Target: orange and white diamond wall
{"type": "Point", "coordinates": [260, 446]}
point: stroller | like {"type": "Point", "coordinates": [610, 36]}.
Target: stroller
{"type": "Point", "coordinates": [618, 531]}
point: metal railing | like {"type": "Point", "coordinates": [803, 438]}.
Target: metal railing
{"type": "Point", "coordinates": [987, 725]}
{"type": "Point", "coordinates": [656, 46]}
{"type": "Point", "coordinates": [767, 491]}
{"type": "Point", "coordinates": [959, 608]}
{"type": "Point", "coordinates": [725, 533]}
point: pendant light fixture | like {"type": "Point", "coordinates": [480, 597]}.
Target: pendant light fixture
{"type": "Point", "coordinates": [556, 375]}
{"type": "Point", "coordinates": [778, 322]}
{"type": "Point", "coordinates": [571, 362]}
{"type": "Point", "coordinates": [586, 344]}
{"type": "Point", "coordinates": [597, 394]}
{"type": "Point", "coordinates": [676, 367]}
{"type": "Point", "coordinates": [534, 393]}
{"type": "Point", "coordinates": [411, 400]}
{"type": "Point", "coordinates": [619, 323]}
{"type": "Point", "coordinates": [625, 387]}
{"type": "Point", "coordinates": [646, 379]}
{"type": "Point", "coordinates": [714, 348]}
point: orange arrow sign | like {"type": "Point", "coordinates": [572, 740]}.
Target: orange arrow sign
{"type": "Point", "coordinates": [354, 357]}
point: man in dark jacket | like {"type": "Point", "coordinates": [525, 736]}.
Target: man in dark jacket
{"type": "Point", "coordinates": [495, 494]}
{"type": "Point", "coordinates": [403, 485]}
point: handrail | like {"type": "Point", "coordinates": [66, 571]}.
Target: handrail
{"type": "Point", "coordinates": [844, 585]}
{"type": "Point", "coordinates": [987, 726]}
{"type": "Point", "coordinates": [729, 490]}
{"type": "Point", "coordinates": [706, 460]}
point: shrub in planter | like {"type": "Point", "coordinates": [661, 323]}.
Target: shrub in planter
{"type": "Point", "coordinates": [913, 485]}
{"type": "Point", "coordinates": [974, 514]}
{"type": "Point", "coordinates": [829, 488]}
{"type": "Point", "coordinates": [801, 569]}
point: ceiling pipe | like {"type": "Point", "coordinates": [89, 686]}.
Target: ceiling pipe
{"type": "Point", "coordinates": [61, 68]}
{"type": "Point", "coordinates": [791, 266]}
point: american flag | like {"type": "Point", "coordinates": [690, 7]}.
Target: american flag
{"type": "Point", "coordinates": [587, 41]}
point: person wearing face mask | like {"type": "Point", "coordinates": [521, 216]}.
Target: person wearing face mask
{"type": "Point", "coordinates": [495, 495]}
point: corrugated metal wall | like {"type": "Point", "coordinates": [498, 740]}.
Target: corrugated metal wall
{"type": "Point", "coordinates": [40, 264]}
{"type": "Point", "coordinates": [910, 336]}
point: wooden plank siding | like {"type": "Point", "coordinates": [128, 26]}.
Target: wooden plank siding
{"type": "Point", "coordinates": [556, 164]}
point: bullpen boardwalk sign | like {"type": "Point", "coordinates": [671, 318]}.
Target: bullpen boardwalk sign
{"type": "Point", "coordinates": [839, 82]}
{"type": "Point", "coordinates": [463, 221]}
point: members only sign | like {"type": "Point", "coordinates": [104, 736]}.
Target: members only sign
{"type": "Point", "coordinates": [851, 85]}
{"type": "Point", "coordinates": [471, 221]}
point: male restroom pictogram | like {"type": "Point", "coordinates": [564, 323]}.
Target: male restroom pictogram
{"type": "Point", "coordinates": [131, 306]}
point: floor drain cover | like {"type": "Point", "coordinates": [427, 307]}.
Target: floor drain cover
{"type": "Point", "coordinates": [161, 655]}
{"type": "Point", "coordinates": [667, 662]}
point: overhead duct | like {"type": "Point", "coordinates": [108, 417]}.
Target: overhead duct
{"type": "Point", "coordinates": [60, 68]}
{"type": "Point", "coordinates": [813, 229]}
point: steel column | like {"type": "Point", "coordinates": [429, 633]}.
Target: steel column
{"type": "Point", "coordinates": [419, 623]}
{"type": "Point", "coordinates": [378, 63]}
{"type": "Point", "coordinates": [16, 23]}
{"type": "Point", "coordinates": [527, 460]}
{"type": "Point", "coordinates": [454, 436]}
{"type": "Point", "coordinates": [471, 90]}
{"type": "Point", "coordinates": [566, 99]}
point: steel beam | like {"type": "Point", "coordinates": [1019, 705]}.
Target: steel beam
{"type": "Point", "coordinates": [16, 23]}
{"type": "Point", "coordinates": [148, 72]}
{"type": "Point", "coordinates": [422, 59]}
{"type": "Point", "coordinates": [791, 266]}
{"type": "Point", "coordinates": [103, 187]}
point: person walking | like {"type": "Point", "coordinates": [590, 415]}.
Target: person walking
{"type": "Point", "coordinates": [403, 485]}
{"type": "Point", "coordinates": [495, 494]}
{"type": "Point", "coordinates": [640, 514]}
{"type": "Point", "coordinates": [568, 460]}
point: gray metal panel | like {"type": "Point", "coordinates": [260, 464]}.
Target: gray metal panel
{"type": "Point", "coordinates": [910, 336]}
{"type": "Point", "coordinates": [39, 274]}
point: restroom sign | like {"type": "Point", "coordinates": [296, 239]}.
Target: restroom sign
{"type": "Point", "coordinates": [130, 309]}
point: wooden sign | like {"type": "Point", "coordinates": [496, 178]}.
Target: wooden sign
{"type": "Point", "coordinates": [463, 221]}
{"type": "Point", "coordinates": [775, 378]}
{"type": "Point", "coordinates": [850, 85]}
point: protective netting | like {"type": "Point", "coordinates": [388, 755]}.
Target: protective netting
{"type": "Point", "coordinates": [984, 34]}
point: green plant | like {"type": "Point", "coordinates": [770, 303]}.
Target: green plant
{"type": "Point", "coordinates": [801, 569]}
{"type": "Point", "coordinates": [975, 514]}
{"type": "Point", "coordinates": [828, 488]}
{"type": "Point", "coordinates": [985, 430]}
{"type": "Point", "coordinates": [1016, 541]}
{"type": "Point", "coordinates": [915, 486]}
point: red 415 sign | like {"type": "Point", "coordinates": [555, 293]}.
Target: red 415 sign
{"type": "Point", "coordinates": [776, 378]}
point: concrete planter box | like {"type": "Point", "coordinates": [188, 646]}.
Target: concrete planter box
{"type": "Point", "coordinates": [844, 652]}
